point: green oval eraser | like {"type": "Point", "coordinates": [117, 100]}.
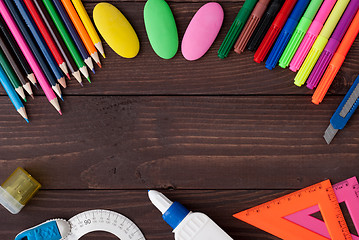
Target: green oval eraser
{"type": "Point", "coordinates": [161, 28]}
{"type": "Point", "coordinates": [116, 30]}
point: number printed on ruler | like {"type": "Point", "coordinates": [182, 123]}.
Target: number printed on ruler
{"type": "Point", "coordinates": [103, 220]}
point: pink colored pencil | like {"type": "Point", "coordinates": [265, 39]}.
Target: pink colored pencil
{"type": "Point", "coordinates": [29, 56]}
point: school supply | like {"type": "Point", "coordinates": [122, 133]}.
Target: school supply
{"type": "Point", "coordinates": [270, 216]}
{"type": "Point", "coordinates": [320, 43]}
{"type": "Point", "coordinates": [86, 222]}
{"type": "Point", "coordinates": [202, 31]}
{"type": "Point", "coordinates": [47, 37]}
{"type": "Point", "coordinates": [274, 30]}
{"type": "Point", "coordinates": [332, 45]}
{"type": "Point", "coordinates": [70, 63]}
{"type": "Point", "coordinates": [55, 229]}
{"type": "Point", "coordinates": [9, 40]}
{"type": "Point", "coordinates": [33, 46]}
{"type": "Point", "coordinates": [299, 33]}
{"type": "Point", "coordinates": [251, 25]}
{"type": "Point", "coordinates": [117, 31]}
{"type": "Point", "coordinates": [236, 28]}
{"type": "Point", "coordinates": [344, 112]}
{"type": "Point", "coordinates": [42, 45]}
{"type": "Point", "coordinates": [161, 28]}
{"type": "Point", "coordinates": [11, 75]}
{"type": "Point", "coordinates": [311, 35]}
{"type": "Point", "coordinates": [88, 25]}
{"type": "Point", "coordinates": [90, 47]}
{"type": "Point", "coordinates": [336, 61]}
{"type": "Point", "coordinates": [75, 37]}
{"type": "Point", "coordinates": [346, 192]}
{"type": "Point", "coordinates": [9, 55]}
{"type": "Point", "coordinates": [186, 225]}
{"type": "Point", "coordinates": [29, 56]}
{"type": "Point", "coordinates": [286, 33]}
{"type": "Point", "coordinates": [66, 38]}
{"type": "Point", "coordinates": [264, 24]}
{"type": "Point", "coordinates": [17, 190]}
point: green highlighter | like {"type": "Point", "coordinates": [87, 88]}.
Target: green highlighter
{"type": "Point", "coordinates": [299, 33]}
{"type": "Point", "coordinates": [236, 28]}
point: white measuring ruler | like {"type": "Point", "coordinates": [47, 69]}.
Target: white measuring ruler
{"type": "Point", "coordinates": [106, 221]}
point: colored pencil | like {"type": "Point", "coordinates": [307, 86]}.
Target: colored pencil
{"type": "Point", "coordinates": [19, 106]}
{"type": "Point", "coordinates": [81, 31]}
{"type": "Point", "coordinates": [33, 46]}
{"type": "Point", "coordinates": [47, 37]}
{"type": "Point", "coordinates": [6, 35]}
{"type": "Point", "coordinates": [4, 11]}
{"type": "Point", "coordinates": [40, 42]}
{"type": "Point", "coordinates": [58, 40]}
{"type": "Point", "coordinates": [11, 75]}
{"type": "Point", "coordinates": [66, 37]}
{"type": "Point", "coordinates": [88, 25]}
{"type": "Point", "coordinates": [80, 46]}
{"type": "Point", "coordinates": [19, 73]}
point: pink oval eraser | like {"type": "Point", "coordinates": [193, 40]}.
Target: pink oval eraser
{"type": "Point", "coordinates": [202, 31]}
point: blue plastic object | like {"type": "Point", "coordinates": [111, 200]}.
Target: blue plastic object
{"type": "Point", "coordinates": [45, 231]}
{"type": "Point", "coordinates": [175, 214]}
{"type": "Point", "coordinates": [286, 33]}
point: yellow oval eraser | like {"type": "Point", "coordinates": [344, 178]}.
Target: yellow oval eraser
{"type": "Point", "coordinates": [116, 30]}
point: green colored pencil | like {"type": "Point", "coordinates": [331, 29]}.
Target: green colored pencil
{"type": "Point", "coordinates": [11, 75]}
{"type": "Point", "coordinates": [66, 37]}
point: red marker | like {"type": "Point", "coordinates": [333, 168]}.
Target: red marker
{"type": "Point", "coordinates": [274, 30]}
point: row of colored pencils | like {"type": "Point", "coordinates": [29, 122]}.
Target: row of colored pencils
{"type": "Point", "coordinates": [44, 41]}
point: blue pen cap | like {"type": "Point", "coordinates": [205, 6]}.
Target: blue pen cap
{"type": "Point", "coordinates": [175, 214]}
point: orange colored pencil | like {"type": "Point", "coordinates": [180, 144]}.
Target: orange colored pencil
{"type": "Point", "coordinates": [81, 30]}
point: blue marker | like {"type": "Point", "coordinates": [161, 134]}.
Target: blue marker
{"type": "Point", "coordinates": [286, 33]}
{"type": "Point", "coordinates": [5, 82]}
{"type": "Point", "coordinates": [344, 112]}
{"type": "Point", "coordinates": [40, 41]}
{"type": "Point", "coordinates": [75, 37]}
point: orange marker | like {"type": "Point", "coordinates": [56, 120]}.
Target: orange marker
{"type": "Point", "coordinates": [270, 216]}
{"type": "Point", "coordinates": [81, 30]}
{"type": "Point", "coordinates": [337, 61]}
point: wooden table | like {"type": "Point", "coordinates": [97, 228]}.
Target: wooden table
{"type": "Point", "coordinates": [217, 135]}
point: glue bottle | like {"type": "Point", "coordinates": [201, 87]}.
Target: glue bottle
{"type": "Point", "coordinates": [186, 225]}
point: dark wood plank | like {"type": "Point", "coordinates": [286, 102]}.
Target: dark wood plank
{"type": "Point", "coordinates": [219, 205]}
{"type": "Point", "coordinates": [178, 142]}
{"type": "Point", "coordinates": [147, 74]}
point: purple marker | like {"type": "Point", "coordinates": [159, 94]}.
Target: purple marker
{"type": "Point", "coordinates": [332, 44]}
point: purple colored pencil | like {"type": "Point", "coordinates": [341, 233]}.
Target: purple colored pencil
{"type": "Point", "coordinates": [332, 44]}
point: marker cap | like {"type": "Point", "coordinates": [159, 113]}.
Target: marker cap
{"type": "Point", "coordinates": [17, 190]}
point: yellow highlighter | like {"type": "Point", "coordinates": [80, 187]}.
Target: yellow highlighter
{"type": "Point", "coordinates": [88, 25]}
{"type": "Point", "coordinates": [320, 42]}
{"type": "Point", "coordinates": [17, 190]}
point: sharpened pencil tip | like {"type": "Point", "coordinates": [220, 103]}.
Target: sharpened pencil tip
{"type": "Point", "coordinates": [24, 99]}
{"type": "Point", "coordinates": [81, 84]}
{"type": "Point", "coordinates": [32, 96]}
{"type": "Point", "coordinates": [27, 120]}
{"type": "Point", "coordinates": [88, 79]}
{"type": "Point", "coordinates": [93, 70]}
{"type": "Point", "coordinates": [68, 76]}
{"type": "Point", "coordinates": [103, 55]}
{"type": "Point", "coordinates": [36, 86]}
{"type": "Point", "coordinates": [62, 98]}
{"type": "Point", "coordinates": [60, 112]}
{"type": "Point", "coordinates": [99, 64]}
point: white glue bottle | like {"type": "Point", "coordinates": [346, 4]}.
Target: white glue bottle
{"type": "Point", "coordinates": [187, 225]}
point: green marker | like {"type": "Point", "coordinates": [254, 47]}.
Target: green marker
{"type": "Point", "coordinates": [66, 37]}
{"type": "Point", "coordinates": [11, 75]}
{"type": "Point", "coordinates": [236, 28]}
{"type": "Point", "coordinates": [299, 33]}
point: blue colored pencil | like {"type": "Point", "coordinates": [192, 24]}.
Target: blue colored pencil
{"type": "Point", "coordinates": [41, 42]}
{"type": "Point", "coordinates": [79, 44]}
{"type": "Point", "coordinates": [5, 82]}
{"type": "Point", "coordinates": [34, 48]}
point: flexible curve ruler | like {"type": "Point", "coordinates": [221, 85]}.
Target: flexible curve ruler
{"type": "Point", "coordinates": [346, 191]}
{"type": "Point", "coordinates": [103, 220]}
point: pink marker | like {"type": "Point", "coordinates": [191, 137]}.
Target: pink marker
{"type": "Point", "coordinates": [346, 191]}
{"type": "Point", "coordinates": [29, 56]}
{"type": "Point", "coordinates": [311, 35]}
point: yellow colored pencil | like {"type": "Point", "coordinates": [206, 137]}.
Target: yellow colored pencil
{"type": "Point", "coordinates": [88, 25]}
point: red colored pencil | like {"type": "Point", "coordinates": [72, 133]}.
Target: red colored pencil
{"type": "Point", "coordinates": [45, 33]}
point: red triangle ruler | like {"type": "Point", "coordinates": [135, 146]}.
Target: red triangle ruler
{"type": "Point", "coordinates": [346, 191]}
{"type": "Point", "coordinates": [270, 216]}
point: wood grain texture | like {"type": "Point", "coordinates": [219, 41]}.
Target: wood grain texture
{"type": "Point", "coordinates": [178, 142]}
{"type": "Point", "coordinates": [148, 74]}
